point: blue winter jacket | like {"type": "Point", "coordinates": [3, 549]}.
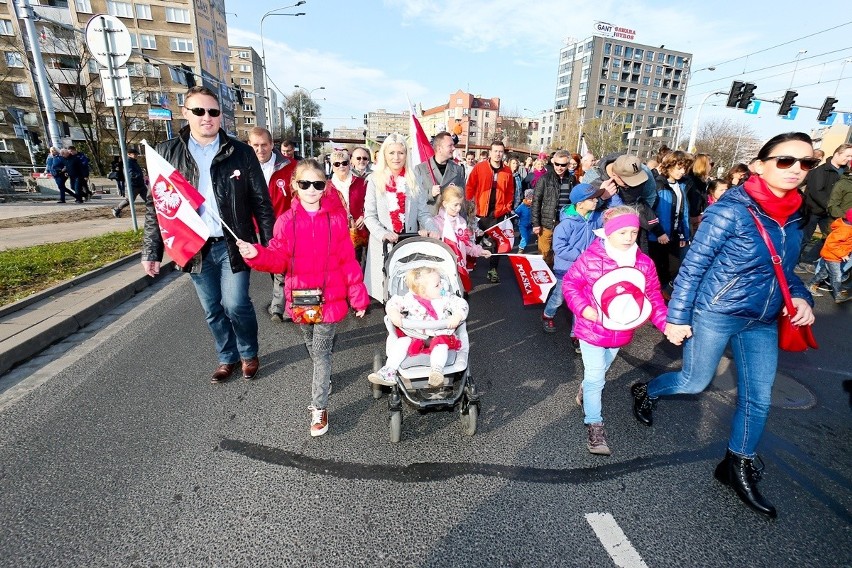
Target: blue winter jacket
{"type": "Point", "coordinates": [665, 209]}
{"type": "Point", "coordinates": [572, 236]}
{"type": "Point", "coordinates": [524, 214]}
{"type": "Point", "coordinates": [727, 270]}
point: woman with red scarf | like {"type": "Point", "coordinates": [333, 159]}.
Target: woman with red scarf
{"type": "Point", "coordinates": [726, 293]}
{"type": "Point", "coordinates": [393, 205]}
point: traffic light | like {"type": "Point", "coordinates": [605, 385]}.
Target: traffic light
{"type": "Point", "coordinates": [736, 93]}
{"type": "Point", "coordinates": [188, 75]}
{"type": "Point", "coordinates": [238, 93]}
{"type": "Point", "coordinates": [747, 95]}
{"type": "Point", "coordinates": [827, 109]}
{"type": "Point", "coordinates": [787, 103]}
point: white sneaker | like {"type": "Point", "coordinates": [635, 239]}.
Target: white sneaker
{"type": "Point", "coordinates": [436, 378]}
{"type": "Point", "coordinates": [319, 421]}
{"type": "Point", "coordinates": [384, 376]}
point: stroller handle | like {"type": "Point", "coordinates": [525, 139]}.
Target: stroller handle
{"type": "Point", "coordinates": [387, 245]}
{"type": "Point", "coordinates": [409, 323]}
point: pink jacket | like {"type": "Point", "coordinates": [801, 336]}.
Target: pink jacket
{"type": "Point", "coordinates": [577, 289]}
{"type": "Point", "coordinates": [316, 252]}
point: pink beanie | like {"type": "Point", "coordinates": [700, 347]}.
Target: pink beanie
{"type": "Point", "coordinates": [620, 222]}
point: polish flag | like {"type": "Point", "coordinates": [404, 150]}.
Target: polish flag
{"type": "Point", "coordinates": [503, 235]}
{"type": "Point", "coordinates": [176, 203]}
{"type": "Point", "coordinates": [534, 277]}
{"type": "Point", "coordinates": [452, 241]}
{"type": "Point", "coordinates": [421, 149]}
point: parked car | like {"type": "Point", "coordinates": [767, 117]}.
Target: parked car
{"type": "Point", "coordinates": [15, 177]}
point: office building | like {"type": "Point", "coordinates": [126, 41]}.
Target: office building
{"type": "Point", "coordinates": [380, 123]}
{"type": "Point", "coordinates": [247, 76]}
{"type": "Point", "coordinates": [472, 117]}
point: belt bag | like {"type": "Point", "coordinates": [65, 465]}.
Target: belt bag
{"type": "Point", "coordinates": [306, 305]}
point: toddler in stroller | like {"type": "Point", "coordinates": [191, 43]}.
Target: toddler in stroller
{"type": "Point", "coordinates": [425, 301]}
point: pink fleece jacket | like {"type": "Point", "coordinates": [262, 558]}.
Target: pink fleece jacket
{"type": "Point", "coordinates": [577, 289]}
{"type": "Point", "coordinates": [315, 251]}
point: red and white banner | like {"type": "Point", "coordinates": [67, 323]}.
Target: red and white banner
{"type": "Point", "coordinates": [503, 235]}
{"type": "Point", "coordinates": [176, 203]}
{"type": "Point", "coordinates": [534, 277]}
{"type": "Point", "coordinates": [421, 149]}
{"type": "Point", "coordinates": [449, 237]}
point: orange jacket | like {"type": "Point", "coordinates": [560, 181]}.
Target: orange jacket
{"type": "Point", "coordinates": [478, 189]}
{"type": "Point", "coordinates": [838, 243]}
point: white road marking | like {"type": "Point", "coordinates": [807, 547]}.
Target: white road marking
{"type": "Point", "coordinates": [615, 541]}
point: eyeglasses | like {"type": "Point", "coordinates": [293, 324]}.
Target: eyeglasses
{"type": "Point", "coordinates": [558, 165]}
{"type": "Point", "coordinates": [338, 164]}
{"type": "Point", "coordinates": [214, 112]}
{"type": "Point", "coordinates": [786, 162]}
{"type": "Point", "coordinates": [361, 158]}
{"type": "Point", "coordinates": [318, 185]}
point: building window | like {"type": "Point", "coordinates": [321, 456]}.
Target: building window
{"type": "Point", "coordinates": [618, 49]}
{"type": "Point", "coordinates": [151, 70]}
{"type": "Point", "coordinates": [143, 12]}
{"type": "Point", "coordinates": [249, 120]}
{"type": "Point", "coordinates": [661, 57]}
{"type": "Point", "coordinates": [628, 53]}
{"type": "Point", "coordinates": [181, 44]}
{"type": "Point", "coordinates": [245, 68]}
{"type": "Point", "coordinates": [655, 95]}
{"type": "Point", "coordinates": [147, 41]}
{"type": "Point", "coordinates": [134, 69]}
{"type": "Point", "coordinates": [638, 54]}
{"type": "Point", "coordinates": [136, 124]}
{"type": "Point", "coordinates": [611, 101]}
{"type": "Point", "coordinates": [93, 66]}
{"type": "Point", "coordinates": [180, 98]}
{"type": "Point", "coordinates": [5, 146]}
{"type": "Point", "coordinates": [607, 48]}
{"type": "Point", "coordinates": [487, 114]}
{"type": "Point", "coordinates": [248, 108]}
{"type": "Point", "coordinates": [14, 59]}
{"type": "Point", "coordinates": [177, 15]}
{"type": "Point", "coordinates": [120, 9]}
{"type": "Point", "coordinates": [658, 82]}
{"type": "Point", "coordinates": [108, 122]}
{"type": "Point", "coordinates": [140, 97]}
{"type": "Point", "coordinates": [245, 81]}
{"type": "Point", "coordinates": [244, 55]}
{"type": "Point", "coordinates": [6, 27]}
{"type": "Point", "coordinates": [646, 80]}
{"type": "Point", "coordinates": [248, 96]}
{"type": "Point", "coordinates": [134, 41]}
{"type": "Point", "coordinates": [83, 6]}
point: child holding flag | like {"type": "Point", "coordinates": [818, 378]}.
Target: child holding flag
{"type": "Point", "coordinates": [612, 288]}
{"type": "Point", "coordinates": [311, 245]}
{"type": "Point", "coordinates": [454, 231]}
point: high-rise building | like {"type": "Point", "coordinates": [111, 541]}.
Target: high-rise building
{"type": "Point", "coordinates": [380, 123]}
{"type": "Point", "coordinates": [638, 88]}
{"type": "Point", "coordinates": [175, 43]}
{"type": "Point", "coordinates": [247, 75]}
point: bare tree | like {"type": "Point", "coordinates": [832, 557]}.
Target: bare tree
{"type": "Point", "coordinates": [566, 135]}
{"type": "Point", "coordinates": [605, 135]}
{"type": "Point", "coordinates": [726, 141]}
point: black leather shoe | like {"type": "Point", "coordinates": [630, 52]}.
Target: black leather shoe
{"type": "Point", "coordinates": [643, 405]}
{"type": "Point", "coordinates": [223, 372]}
{"type": "Point", "coordinates": [742, 476]}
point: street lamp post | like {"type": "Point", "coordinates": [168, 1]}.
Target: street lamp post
{"type": "Point", "coordinates": [842, 69]}
{"type": "Point", "coordinates": [693, 135]}
{"type": "Point", "coordinates": [695, 123]}
{"type": "Point", "coordinates": [263, 52]}
{"type": "Point", "coordinates": [302, 118]}
{"type": "Point", "coordinates": [796, 67]}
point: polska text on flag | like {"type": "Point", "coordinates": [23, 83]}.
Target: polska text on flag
{"type": "Point", "coordinates": [534, 277]}
{"type": "Point", "coordinates": [176, 202]}
{"type": "Point", "coordinates": [503, 235]}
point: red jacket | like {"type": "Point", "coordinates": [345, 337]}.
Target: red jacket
{"type": "Point", "coordinates": [316, 252]}
{"type": "Point", "coordinates": [478, 189]}
{"type": "Point", "coordinates": [577, 289]}
{"type": "Point", "coordinates": [279, 188]}
{"type": "Point", "coordinates": [357, 195]}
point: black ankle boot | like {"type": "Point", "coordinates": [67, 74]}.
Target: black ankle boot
{"type": "Point", "coordinates": [643, 405]}
{"type": "Point", "coordinates": [741, 474]}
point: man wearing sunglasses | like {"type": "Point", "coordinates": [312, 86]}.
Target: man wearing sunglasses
{"type": "Point", "coordinates": [361, 166]}
{"type": "Point", "coordinates": [818, 186]}
{"type": "Point", "coordinates": [552, 193]}
{"type": "Point", "coordinates": [227, 174]}
{"type": "Point", "coordinates": [440, 170]}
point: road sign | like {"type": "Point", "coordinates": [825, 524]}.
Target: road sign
{"type": "Point", "coordinates": [794, 110]}
{"type": "Point", "coordinates": [119, 45]}
{"type": "Point", "coordinates": [753, 107]}
{"type": "Point", "coordinates": [159, 114]}
{"type": "Point", "coordinates": [847, 118]}
{"type": "Point", "coordinates": [20, 132]}
{"type": "Point", "coordinates": [125, 93]}
{"type": "Point", "coordinates": [830, 120]}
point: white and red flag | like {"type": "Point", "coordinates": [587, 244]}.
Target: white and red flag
{"type": "Point", "coordinates": [452, 241]}
{"type": "Point", "coordinates": [535, 278]}
{"type": "Point", "coordinates": [176, 203]}
{"type": "Point", "coordinates": [503, 235]}
{"type": "Point", "coordinates": [421, 148]}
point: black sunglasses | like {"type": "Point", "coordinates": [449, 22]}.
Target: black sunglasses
{"type": "Point", "coordinates": [361, 158]}
{"type": "Point", "coordinates": [318, 185]}
{"type": "Point", "coordinates": [557, 164]}
{"type": "Point", "coordinates": [786, 162]}
{"type": "Point", "coordinates": [214, 112]}
{"type": "Point", "coordinates": [338, 164]}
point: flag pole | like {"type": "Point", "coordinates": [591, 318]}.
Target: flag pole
{"type": "Point", "coordinates": [497, 224]}
{"type": "Point", "coordinates": [218, 218]}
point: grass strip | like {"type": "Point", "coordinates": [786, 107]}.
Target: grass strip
{"type": "Point", "coordinates": [25, 271]}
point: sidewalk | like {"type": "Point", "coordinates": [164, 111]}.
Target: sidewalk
{"type": "Point", "coordinates": [34, 323]}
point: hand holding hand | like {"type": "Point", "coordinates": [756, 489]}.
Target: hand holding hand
{"type": "Point", "coordinates": [804, 312]}
{"type": "Point", "coordinates": [677, 333]}
{"type": "Point", "coordinates": [247, 250]}
{"type": "Point", "coordinates": [590, 313]}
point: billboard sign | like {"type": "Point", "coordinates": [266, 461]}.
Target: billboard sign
{"type": "Point", "coordinates": [605, 29]}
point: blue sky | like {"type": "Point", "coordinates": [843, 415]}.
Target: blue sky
{"type": "Point", "coordinates": [371, 54]}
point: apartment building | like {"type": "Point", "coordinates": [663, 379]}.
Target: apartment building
{"type": "Point", "coordinates": [247, 76]}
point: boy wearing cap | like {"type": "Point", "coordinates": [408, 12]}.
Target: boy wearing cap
{"type": "Point", "coordinates": [612, 288]}
{"type": "Point", "coordinates": [573, 235]}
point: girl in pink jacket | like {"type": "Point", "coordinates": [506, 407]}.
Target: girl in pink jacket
{"type": "Point", "coordinates": [612, 288]}
{"type": "Point", "coordinates": [311, 245]}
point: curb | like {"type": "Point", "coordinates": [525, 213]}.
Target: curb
{"type": "Point", "coordinates": [55, 328]}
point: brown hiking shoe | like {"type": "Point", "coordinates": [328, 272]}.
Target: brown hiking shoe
{"type": "Point", "coordinates": [597, 440]}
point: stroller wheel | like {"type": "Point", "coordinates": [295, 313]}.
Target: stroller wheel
{"type": "Point", "coordinates": [469, 420]}
{"type": "Point", "coordinates": [395, 426]}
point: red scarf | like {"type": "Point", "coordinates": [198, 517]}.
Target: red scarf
{"type": "Point", "coordinates": [397, 215]}
{"type": "Point", "coordinates": [779, 208]}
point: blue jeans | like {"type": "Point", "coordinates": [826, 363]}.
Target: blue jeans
{"type": "Point", "coordinates": [755, 347]}
{"type": "Point", "coordinates": [319, 339]}
{"type": "Point", "coordinates": [555, 300]}
{"type": "Point", "coordinates": [833, 271]}
{"type": "Point", "coordinates": [227, 305]}
{"type": "Point", "coordinates": [596, 362]}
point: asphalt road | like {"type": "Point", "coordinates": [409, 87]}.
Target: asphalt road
{"type": "Point", "coordinates": [116, 451]}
